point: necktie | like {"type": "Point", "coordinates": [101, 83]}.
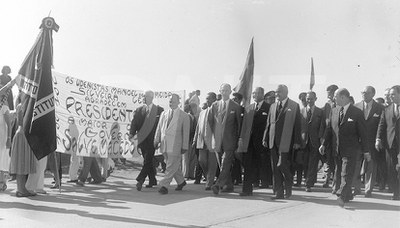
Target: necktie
{"type": "Point", "coordinates": [366, 111]}
{"type": "Point", "coordinates": [341, 115]}
{"type": "Point", "coordinates": [257, 108]}
{"type": "Point", "coordinates": [171, 114]}
{"type": "Point", "coordinates": [223, 110]}
{"type": "Point", "coordinates": [147, 110]}
{"type": "Point", "coordinates": [278, 110]}
{"type": "Point", "coordinates": [309, 115]}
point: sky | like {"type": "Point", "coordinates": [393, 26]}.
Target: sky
{"type": "Point", "coordinates": [187, 45]}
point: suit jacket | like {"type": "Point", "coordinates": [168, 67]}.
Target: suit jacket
{"type": "Point", "coordinates": [253, 127]}
{"type": "Point", "coordinates": [312, 131]}
{"type": "Point", "coordinates": [203, 134]}
{"type": "Point", "coordinates": [285, 129]}
{"type": "Point", "coordinates": [139, 118]}
{"type": "Point", "coordinates": [371, 123]}
{"type": "Point", "coordinates": [225, 130]}
{"type": "Point", "coordinates": [173, 138]}
{"type": "Point", "coordinates": [388, 128]}
{"type": "Point", "coordinates": [348, 139]}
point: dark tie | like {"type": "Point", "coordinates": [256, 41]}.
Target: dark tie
{"type": "Point", "coordinates": [366, 110]}
{"type": "Point", "coordinates": [223, 110]}
{"type": "Point", "coordinates": [341, 115]}
{"type": "Point", "coordinates": [257, 108]}
{"type": "Point", "coordinates": [309, 115]}
{"type": "Point", "coordinates": [278, 110]}
{"type": "Point", "coordinates": [170, 117]}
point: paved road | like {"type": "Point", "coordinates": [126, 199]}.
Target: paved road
{"type": "Point", "coordinates": [116, 203]}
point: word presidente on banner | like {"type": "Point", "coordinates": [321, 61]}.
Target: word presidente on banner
{"type": "Point", "coordinates": [96, 112]}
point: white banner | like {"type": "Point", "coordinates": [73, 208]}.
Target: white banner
{"type": "Point", "coordinates": [94, 119]}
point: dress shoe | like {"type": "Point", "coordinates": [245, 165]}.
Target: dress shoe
{"type": "Point", "coordinates": [197, 182]}
{"type": "Point", "coordinates": [277, 197]}
{"type": "Point", "coordinates": [208, 189]}
{"type": "Point", "coordinates": [368, 195]}
{"type": "Point", "coordinates": [163, 190]}
{"type": "Point", "coordinates": [340, 202]}
{"type": "Point", "coordinates": [308, 189]}
{"type": "Point", "coordinates": [149, 185]}
{"type": "Point", "coordinates": [80, 183]}
{"type": "Point", "coordinates": [326, 185]}
{"type": "Point", "coordinates": [356, 192]}
{"type": "Point", "coordinates": [139, 186]}
{"type": "Point", "coordinates": [20, 194]}
{"type": "Point", "coordinates": [227, 190]}
{"type": "Point", "coordinates": [55, 186]}
{"type": "Point", "coordinates": [246, 194]}
{"type": "Point", "coordinates": [72, 181]}
{"type": "Point", "coordinates": [215, 189]}
{"type": "Point", "coordinates": [297, 185]}
{"type": "Point", "coordinates": [180, 186]}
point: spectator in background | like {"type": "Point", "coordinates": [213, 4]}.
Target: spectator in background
{"type": "Point", "coordinates": [270, 97]}
{"type": "Point", "coordinates": [195, 98]}
{"type": "Point", "coordinates": [4, 79]}
{"type": "Point", "coordinates": [5, 142]}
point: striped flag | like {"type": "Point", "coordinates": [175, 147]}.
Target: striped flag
{"type": "Point", "coordinates": [36, 90]}
{"type": "Point", "coordinates": [245, 85]}
{"type": "Point", "coordinates": [312, 77]}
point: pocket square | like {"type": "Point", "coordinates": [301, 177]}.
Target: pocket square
{"type": "Point", "coordinates": [350, 120]}
{"type": "Point", "coordinates": [264, 113]}
{"type": "Point", "coordinates": [375, 115]}
{"type": "Point", "coordinates": [232, 112]}
{"type": "Point", "coordinates": [289, 110]}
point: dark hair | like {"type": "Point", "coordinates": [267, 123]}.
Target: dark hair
{"type": "Point", "coordinates": [344, 92]}
{"type": "Point", "coordinates": [302, 95]}
{"type": "Point", "coordinates": [212, 95]}
{"type": "Point", "coordinates": [332, 88]}
{"type": "Point", "coordinates": [270, 93]}
{"type": "Point", "coordinates": [238, 95]}
{"type": "Point", "coordinates": [396, 88]}
{"type": "Point", "coordinates": [313, 93]}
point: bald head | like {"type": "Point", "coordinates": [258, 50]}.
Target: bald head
{"type": "Point", "coordinates": [258, 94]}
{"type": "Point", "coordinates": [342, 97]}
{"type": "Point", "coordinates": [148, 97]}
{"type": "Point", "coordinates": [281, 92]}
{"type": "Point", "coordinates": [225, 91]}
{"type": "Point", "coordinates": [368, 93]}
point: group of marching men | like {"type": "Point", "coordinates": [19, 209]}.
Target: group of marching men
{"type": "Point", "coordinates": [272, 139]}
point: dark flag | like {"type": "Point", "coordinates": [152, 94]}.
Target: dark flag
{"type": "Point", "coordinates": [312, 77]}
{"type": "Point", "coordinates": [245, 85]}
{"type": "Point", "coordinates": [37, 97]}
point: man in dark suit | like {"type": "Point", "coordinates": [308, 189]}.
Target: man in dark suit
{"type": "Point", "coordinates": [250, 141]}
{"type": "Point", "coordinates": [282, 134]}
{"type": "Point", "coordinates": [312, 132]}
{"type": "Point", "coordinates": [144, 124]}
{"type": "Point", "coordinates": [346, 132]}
{"type": "Point", "coordinates": [372, 113]}
{"type": "Point", "coordinates": [388, 135]}
{"type": "Point", "coordinates": [225, 120]}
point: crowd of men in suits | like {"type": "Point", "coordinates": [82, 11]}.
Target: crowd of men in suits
{"type": "Point", "coordinates": [273, 139]}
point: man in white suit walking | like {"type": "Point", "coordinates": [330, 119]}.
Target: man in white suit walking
{"type": "Point", "coordinates": [172, 137]}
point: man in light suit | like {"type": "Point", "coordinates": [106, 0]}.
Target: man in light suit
{"type": "Point", "coordinates": [372, 113]}
{"type": "Point", "coordinates": [388, 135]}
{"type": "Point", "coordinates": [250, 141]}
{"type": "Point", "coordinates": [312, 131]}
{"type": "Point", "coordinates": [225, 120]}
{"type": "Point", "coordinates": [346, 132]}
{"type": "Point", "coordinates": [144, 124]}
{"type": "Point", "coordinates": [172, 137]}
{"type": "Point", "coordinates": [202, 141]}
{"type": "Point", "coordinates": [282, 134]}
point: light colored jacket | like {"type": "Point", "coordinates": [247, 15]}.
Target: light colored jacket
{"type": "Point", "coordinates": [175, 137]}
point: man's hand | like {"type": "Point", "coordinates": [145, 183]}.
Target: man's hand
{"type": "Point", "coordinates": [322, 149]}
{"type": "Point", "coordinates": [156, 145]}
{"type": "Point", "coordinates": [183, 151]}
{"type": "Point", "coordinates": [367, 156]}
{"type": "Point", "coordinates": [265, 144]}
{"type": "Point", "coordinates": [296, 146]}
{"type": "Point", "coordinates": [378, 145]}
